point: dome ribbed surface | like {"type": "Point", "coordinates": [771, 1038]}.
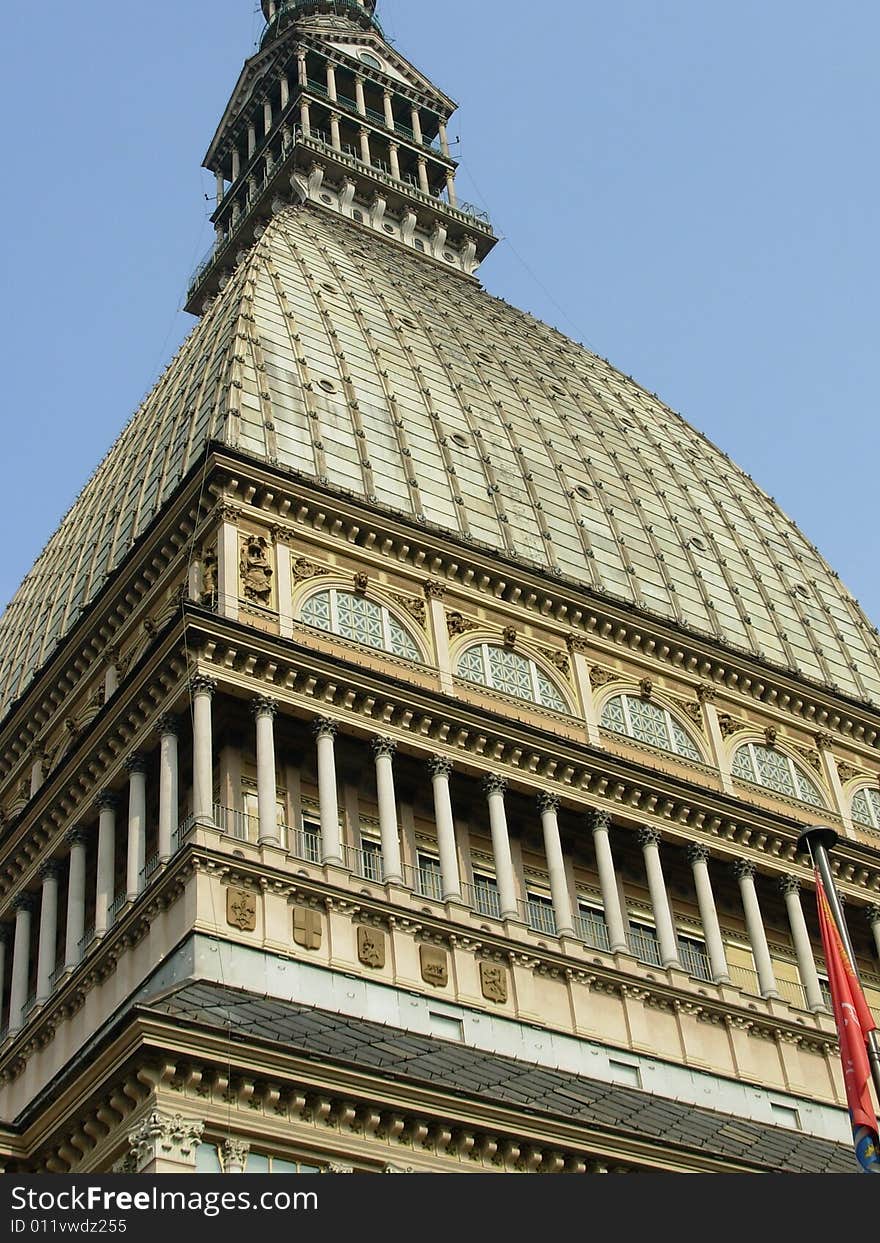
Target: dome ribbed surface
{"type": "Point", "coordinates": [376, 371]}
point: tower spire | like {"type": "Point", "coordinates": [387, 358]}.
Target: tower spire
{"type": "Point", "coordinates": [329, 115]}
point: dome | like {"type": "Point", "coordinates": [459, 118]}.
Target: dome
{"type": "Point", "coordinates": [357, 362]}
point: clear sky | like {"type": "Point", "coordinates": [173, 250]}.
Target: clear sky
{"type": "Point", "coordinates": [688, 187]}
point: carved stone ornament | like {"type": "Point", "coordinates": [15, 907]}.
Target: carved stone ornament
{"type": "Point", "coordinates": [771, 734]}
{"type": "Point", "coordinates": [208, 591]}
{"type": "Point", "coordinates": [646, 688]}
{"type": "Point", "coordinates": [558, 659]}
{"type": "Point", "coordinates": [729, 725]}
{"type": "Point", "coordinates": [434, 590]}
{"type": "Point", "coordinates": [165, 1136]}
{"type": "Point", "coordinates": [371, 947]}
{"type": "Point", "coordinates": [811, 757]}
{"type": "Point", "coordinates": [435, 966]}
{"type": "Point", "coordinates": [706, 694]}
{"type": "Point", "coordinates": [493, 979]}
{"type": "Point", "coordinates": [361, 584]}
{"type": "Point", "coordinates": [509, 636]}
{"type": "Point", "coordinates": [577, 643]}
{"type": "Point", "coordinates": [847, 772]}
{"type": "Point", "coordinates": [308, 927]}
{"type": "Point", "coordinates": [241, 909]}
{"type": "Point", "coordinates": [601, 677]}
{"type": "Point", "coordinates": [416, 607]}
{"type": "Point", "coordinates": [457, 623]}
{"type": "Point", "coordinates": [303, 570]}
{"type": "Point", "coordinates": [256, 572]}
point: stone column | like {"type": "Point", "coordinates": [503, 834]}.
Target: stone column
{"type": "Point", "coordinates": [6, 933]}
{"type": "Point", "coordinates": [649, 840]}
{"type": "Point", "coordinates": [548, 806]}
{"type": "Point", "coordinates": [383, 750]}
{"type": "Point", "coordinates": [873, 916]}
{"type": "Point", "coordinates": [328, 798]}
{"type": "Point", "coordinates": [331, 81]}
{"type": "Point", "coordinates": [495, 788]}
{"type": "Point", "coordinates": [48, 929]}
{"type": "Point", "coordinates": [335, 137]}
{"type": "Point", "coordinates": [389, 109]}
{"type": "Point", "coordinates": [791, 891]}
{"type": "Point", "coordinates": [285, 91]}
{"type": "Point", "coordinates": [136, 767]}
{"type": "Point", "coordinates": [450, 878]}
{"type": "Point", "coordinates": [76, 898]}
{"type": "Point", "coordinates": [698, 856]}
{"type": "Point", "coordinates": [744, 870]}
{"type": "Point", "coordinates": [267, 117]}
{"type": "Point", "coordinates": [366, 155]}
{"type": "Point", "coordinates": [305, 117]}
{"type": "Point", "coordinates": [166, 1143]}
{"type": "Point", "coordinates": [265, 710]}
{"type": "Point", "coordinates": [359, 99]}
{"type": "Point", "coordinates": [169, 792]}
{"type": "Point", "coordinates": [104, 885]}
{"type": "Point", "coordinates": [394, 160]}
{"type": "Point", "coordinates": [450, 188]}
{"type": "Point", "coordinates": [252, 140]}
{"type": "Point", "coordinates": [614, 919]}
{"type": "Point", "coordinates": [424, 185]}
{"type": "Point", "coordinates": [417, 125]}
{"type": "Point", "coordinates": [202, 690]}
{"type": "Point", "coordinates": [236, 164]}
{"type": "Point", "coordinates": [23, 906]}
{"type": "Point", "coordinates": [444, 140]}
{"type": "Point", "coordinates": [302, 69]}
{"type": "Point", "coordinates": [221, 186]}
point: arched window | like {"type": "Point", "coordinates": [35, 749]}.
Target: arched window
{"type": "Point", "coordinates": [866, 807]}
{"type": "Point", "coordinates": [649, 723]}
{"type": "Point", "coordinates": [512, 674]}
{"type": "Point", "coordinates": [364, 621]}
{"type": "Point", "coordinates": [773, 770]}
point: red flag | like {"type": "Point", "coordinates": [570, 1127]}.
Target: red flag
{"type": "Point", "coordinates": [854, 1023]}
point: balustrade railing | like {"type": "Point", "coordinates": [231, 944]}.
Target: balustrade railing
{"type": "Point", "coordinates": [591, 928]}
{"type": "Point", "coordinates": [482, 900]}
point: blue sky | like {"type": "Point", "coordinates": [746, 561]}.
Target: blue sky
{"type": "Point", "coordinates": [689, 188]}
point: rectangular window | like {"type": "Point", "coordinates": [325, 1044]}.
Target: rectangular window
{"type": "Point", "coordinates": [540, 914]}
{"type": "Point", "coordinates": [429, 879]}
{"type": "Point", "coordinates": [643, 943]}
{"type": "Point", "coordinates": [306, 840]}
{"type": "Point", "coordinates": [694, 958]}
{"type": "Point", "coordinates": [487, 900]}
{"type": "Point", "coordinates": [591, 926]}
{"type": "Point", "coordinates": [371, 867]}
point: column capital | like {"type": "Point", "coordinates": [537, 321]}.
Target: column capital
{"type": "Point", "coordinates": [386, 747]}
{"type": "Point", "coordinates": [789, 884]}
{"type": "Point", "coordinates": [548, 801]}
{"type": "Point", "coordinates": [201, 684]}
{"type": "Point", "coordinates": [494, 783]}
{"type": "Point", "coordinates": [50, 870]}
{"type": "Point", "coordinates": [168, 724]}
{"type": "Point", "coordinates": [107, 800]}
{"type": "Point", "coordinates": [172, 1137]}
{"type": "Point", "coordinates": [433, 588]}
{"type": "Point", "coordinates": [264, 705]}
{"type": "Point", "coordinates": [872, 914]}
{"type": "Point", "coordinates": [648, 836]}
{"type": "Point", "coordinates": [235, 1153]}
{"type": "Point", "coordinates": [744, 869]}
{"type": "Point", "coordinates": [698, 853]}
{"type": "Point", "coordinates": [440, 766]}
{"type": "Point", "coordinates": [136, 764]}
{"type": "Point", "coordinates": [24, 902]}
{"type": "Point", "coordinates": [600, 821]}
{"type": "Point", "coordinates": [76, 837]}
{"type": "Point", "coordinates": [706, 694]}
{"type": "Point", "coordinates": [325, 727]}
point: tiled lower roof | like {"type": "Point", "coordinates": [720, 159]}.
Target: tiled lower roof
{"type": "Point", "coordinates": [502, 1081]}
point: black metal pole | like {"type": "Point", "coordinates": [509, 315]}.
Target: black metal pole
{"type": "Point", "coordinates": [818, 841]}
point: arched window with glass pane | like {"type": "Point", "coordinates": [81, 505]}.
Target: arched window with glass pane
{"type": "Point", "coordinates": [772, 769]}
{"type": "Point", "coordinates": [364, 621]}
{"type": "Point", "coordinates": [511, 673]}
{"type": "Point", "coordinates": [866, 807]}
{"type": "Point", "coordinates": [650, 723]}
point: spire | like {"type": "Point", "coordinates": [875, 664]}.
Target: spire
{"type": "Point", "coordinates": [329, 115]}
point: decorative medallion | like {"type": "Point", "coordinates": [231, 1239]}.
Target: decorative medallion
{"type": "Point", "coordinates": [435, 966]}
{"type": "Point", "coordinates": [308, 927]}
{"type": "Point", "coordinates": [371, 947]}
{"type": "Point", "coordinates": [493, 978]}
{"type": "Point", "coordinates": [241, 909]}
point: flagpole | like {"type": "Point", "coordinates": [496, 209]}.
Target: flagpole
{"type": "Point", "coordinates": [817, 841]}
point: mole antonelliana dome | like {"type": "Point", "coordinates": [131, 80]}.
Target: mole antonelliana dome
{"type": "Point", "coordinates": [345, 358]}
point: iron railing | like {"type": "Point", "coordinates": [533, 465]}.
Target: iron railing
{"type": "Point", "coordinates": [644, 946]}
{"type": "Point", "coordinates": [367, 864]}
{"type": "Point", "coordinates": [539, 916]}
{"type": "Point", "coordinates": [483, 899]}
{"type": "Point", "coordinates": [695, 961]}
{"type": "Point", "coordinates": [590, 927]}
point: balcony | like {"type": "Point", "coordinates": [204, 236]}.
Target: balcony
{"type": "Point", "coordinates": [590, 927]}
